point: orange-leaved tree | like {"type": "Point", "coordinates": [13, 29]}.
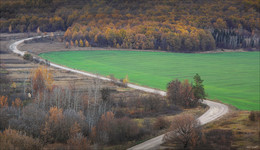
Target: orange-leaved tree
{"type": "Point", "coordinates": [41, 79]}
{"type": "Point", "coordinates": [52, 130]}
{"type": "Point", "coordinates": [77, 140]}
{"type": "Point", "coordinates": [105, 127]}
{"type": "Point", "coordinates": [3, 101]}
{"type": "Point", "coordinates": [17, 103]}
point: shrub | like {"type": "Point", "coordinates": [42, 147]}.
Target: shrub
{"type": "Point", "coordinates": [12, 139]}
{"type": "Point", "coordinates": [28, 57]}
{"type": "Point", "coordinates": [252, 116]}
{"type": "Point", "coordinates": [105, 94]}
{"type": "Point", "coordinates": [6, 114]}
{"type": "Point", "coordinates": [31, 120]}
{"type": "Point", "coordinates": [126, 80]}
{"type": "Point", "coordinates": [153, 103]}
{"type": "Point", "coordinates": [147, 128]}
{"type": "Point", "coordinates": [124, 129]}
{"type": "Point", "coordinates": [217, 139]}
{"type": "Point", "coordinates": [78, 142]}
{"type": "Point", "coordinates": [67, 45]}
{"type": "Point", "coordinates": [161, 123]}
{"type": "Point", "coordinates": [184, 131]}
{"type": "Point", "coordinates": [113, 131]}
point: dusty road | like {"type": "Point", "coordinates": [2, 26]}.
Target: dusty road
{"type": "Point", "coordinates": [216, 110]}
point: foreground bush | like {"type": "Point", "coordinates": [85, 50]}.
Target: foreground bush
{"type": "Point", "coordinates": [28, 57]}
{"type": "Point", "coordinates": [254, 115]}
{"type": "Point", "coordinates": [161, 123]}
{"type": "Point", "coordinates": [111, 130]}
{"type": "Point", "coordinates": [13, 139]}
{"type": "Point", "coordinates": [217, 139]}
{"type": "Point", "coordinates": [185, 131]}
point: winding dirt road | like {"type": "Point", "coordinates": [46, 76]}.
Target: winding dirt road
{"type": "Point", "coordinates": [216, 110]}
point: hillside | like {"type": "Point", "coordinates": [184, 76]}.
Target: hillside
{"type": "Point", "coordinates": [173, 25]}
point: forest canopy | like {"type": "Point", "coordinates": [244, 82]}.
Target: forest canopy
{"type": "Point", "coordinates": [173, 25]}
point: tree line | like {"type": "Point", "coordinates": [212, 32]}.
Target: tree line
{"type": "Point", "coordinates": [150, 35]}
{"type": "Point", "coordinates": [193, 20]}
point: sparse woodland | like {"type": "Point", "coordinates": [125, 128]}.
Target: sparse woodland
{"type": "Point", "coordinates": [172, 25]}
{"type": "Point", "coordinates": [47, 114]}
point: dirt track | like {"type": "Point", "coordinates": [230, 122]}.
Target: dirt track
{"type": "Point", "coordinates": [19, 70]}
{"type": "Point", "coordinates": [215, 111]}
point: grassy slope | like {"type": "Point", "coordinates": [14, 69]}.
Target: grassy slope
{"type": "Point", "coordinates": [230, 77]}
{"type": "Point", "coordinates": [246, 133]}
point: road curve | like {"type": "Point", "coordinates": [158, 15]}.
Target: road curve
{"type": "Point", "coordinates": [216, 110]}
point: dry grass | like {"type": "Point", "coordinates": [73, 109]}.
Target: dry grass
{"type": "Point", "coordinates": [246, 133]}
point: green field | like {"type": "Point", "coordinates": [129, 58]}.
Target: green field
{"type": "Point", "coordinates": [232, 78]}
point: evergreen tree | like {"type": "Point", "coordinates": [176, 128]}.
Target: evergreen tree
{"type": "Point", "coordinates": [198, 88]}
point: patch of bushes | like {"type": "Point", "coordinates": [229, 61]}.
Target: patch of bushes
{"type": "Point", "coordinates": [110, 130]}
{"type": "Point", "coordinates": [28, 57]}
{"type": "Point", "coordinates": [161, 123]}
{"type": "Point", "coordinates": [253, 116]}
{"type": "Point", "coordinates": [138, 106]}
{"type": "Point", "coordinates": [217, 139]}
{"type": "Point", "coordinates": [12, 139]}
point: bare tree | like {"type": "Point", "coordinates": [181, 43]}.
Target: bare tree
{"type": "Point", "coordinates": [94, 90]}
{"type": "Point", "coordinates": [96, 105]}
{"type": "Point", "coordinates": [31, 120]}
{"type": "Point", "coordinates": [184, 130]}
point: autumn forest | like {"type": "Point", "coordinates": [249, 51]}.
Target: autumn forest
{"type": "Point", "coordinates": [169, 25]}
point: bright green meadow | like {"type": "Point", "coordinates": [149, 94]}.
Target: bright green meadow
{"type": "Point", "coordinates": [232, 78]}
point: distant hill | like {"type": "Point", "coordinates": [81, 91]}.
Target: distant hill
{"type": "Point", "coordinates": [173, 25]}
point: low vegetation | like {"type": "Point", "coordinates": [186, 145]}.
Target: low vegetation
{"type": "Point", "coordinates": [48, 114]}
{"type": "Point", "coordinates": [245, 133]}
{"type": "Point", "coordinates": [28, 57]}
{"type": "Point", "coordinates": [54, 114]}
{"type": "Point", "coordinates": [185, 130]}
{"type": "Point", "coordinates": [235, 131]}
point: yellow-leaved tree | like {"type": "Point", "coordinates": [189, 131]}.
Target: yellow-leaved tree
{"type": "Point", "coordinates": [126, 80]}
{"type": "Point", "coordinates": [87, 44]}
{"type": "Point", "coordinates": [41, 78]}
{"type": "Point", "coordinates": [81, 43]}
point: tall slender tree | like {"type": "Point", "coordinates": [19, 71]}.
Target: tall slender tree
{"type": "Point", "coordinates": [198, 88]}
